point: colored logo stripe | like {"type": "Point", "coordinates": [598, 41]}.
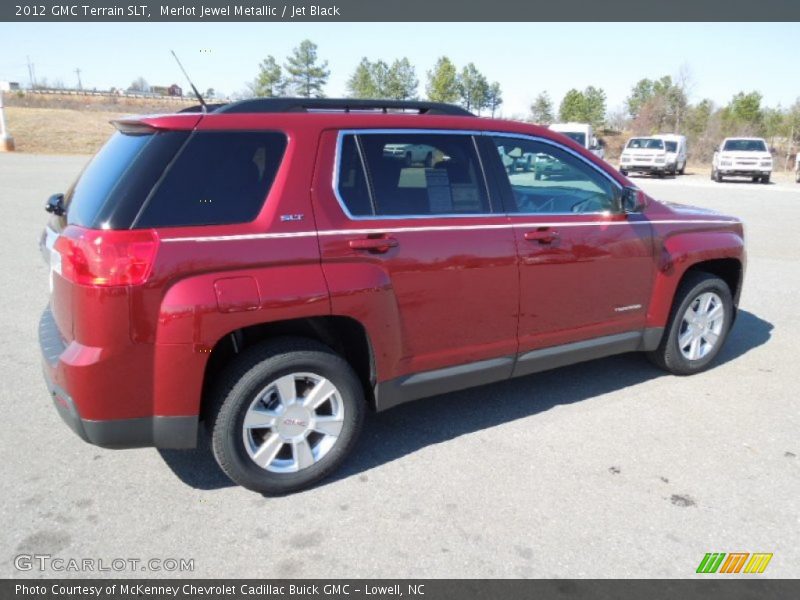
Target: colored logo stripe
{"type": "Point", "coordinates": [758, 563]}
{"type": "Point", "coordinates": [711, 562]}
{"type": "Point", "coordinates": [734, 562]}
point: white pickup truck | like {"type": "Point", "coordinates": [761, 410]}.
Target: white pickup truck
{"type": "Point", "coordinates": [742, 157]}
{"type": "Point", "coordinates": [645, 155]}
{"type": "Point", "coordinates": [797, 167]}
{"type": "Point", "coordinates": [583, 134]}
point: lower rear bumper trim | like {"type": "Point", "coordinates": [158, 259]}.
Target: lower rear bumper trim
{"type": "Point", "coordinates": [158, 431]}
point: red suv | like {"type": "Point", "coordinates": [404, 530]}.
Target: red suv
{"type": "Point", "coordinates": [274, 267]}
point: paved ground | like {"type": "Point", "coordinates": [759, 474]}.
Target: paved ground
{"type": "Point", "coordinates": [607, 469]}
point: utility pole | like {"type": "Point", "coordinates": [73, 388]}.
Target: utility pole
{"type": "Point", "coordinates": [31, 76]}
{"type": "Point", "coordinates": [78, 73]}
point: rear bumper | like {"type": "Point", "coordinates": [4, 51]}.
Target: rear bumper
{"type": "Point", "coordinates": [158, 431]}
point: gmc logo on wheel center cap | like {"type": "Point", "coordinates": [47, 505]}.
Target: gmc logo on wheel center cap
{"type": "Point", "coordinates": [298, 422]}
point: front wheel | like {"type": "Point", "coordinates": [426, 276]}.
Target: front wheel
{"type": "Point", "coordinates": [698, 326]}
{"type": "Point", "coordinates": [765, 179]}
{"type": "Point", "coordinates": [286, 414]}
{"type": "Point", "coordinates": [718, 177]}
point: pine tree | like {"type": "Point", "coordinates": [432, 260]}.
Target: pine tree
{"type": "Point", "coordinates": [443, 82]}
{"type": "Point", "coordinates": [307, 76]}
{"type": "Point", "coordinates": [269, 82]}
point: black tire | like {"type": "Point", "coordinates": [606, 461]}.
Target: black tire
{"type": "Point", "coordinates": [624, 172]}
{"type": "Point", "coordinates": [797, 177]}
{"type": "Point", "coordinates": [717, 176]}
{"type": "Point", "coordinates": [682, 170]}
{"type": "Point", "coordinates": [755, 178]}
{"type": "Point", "coordinates": [661, 174]}
{"type": "Point", "coordinates": [765, 179]}
{"type": "Point", "coordinates": [668, 355]}
{"type": "Point", "coordinates": [713, 174]}
{"type": "Point", "coordinates": [252, 372]}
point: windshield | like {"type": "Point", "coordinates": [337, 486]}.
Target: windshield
{"type": "Point", "coordinates": [576, 136]}
{"type": "Point", "coordinates": [671, 146]}
{"type": "Point", "coordinates": [645, 144]}
{"type": "Point", "coordinates": [745, 146]}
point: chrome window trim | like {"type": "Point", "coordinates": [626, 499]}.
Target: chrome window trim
{"type": "Point", "coordinates": [473, 133]}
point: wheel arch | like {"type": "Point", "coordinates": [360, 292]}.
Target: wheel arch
{"type": "Point", "coordinates": [345, 335]}
{"type": "Point", "coordinates": [720, 253]}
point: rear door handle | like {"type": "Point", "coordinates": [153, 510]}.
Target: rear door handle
{"type": "Point", "coordinates": [543, 237]}
{"type": "Point", "coordinates": [378, 244]}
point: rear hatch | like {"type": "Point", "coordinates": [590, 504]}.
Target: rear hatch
{"type": "Point", "coordinates": [92, 243]}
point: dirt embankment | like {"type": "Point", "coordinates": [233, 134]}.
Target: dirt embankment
{"type": "Point", "coordinates": [74, 123]}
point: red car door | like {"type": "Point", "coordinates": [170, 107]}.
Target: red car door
{"type": "Point", "coordinates": [417, 253]}
{"type": "Point", "coordinates": [586, 267]}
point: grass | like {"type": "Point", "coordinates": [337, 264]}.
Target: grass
{"type": "Point", "coordinates": [58, 130]}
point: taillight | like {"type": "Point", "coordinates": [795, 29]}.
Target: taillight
{"type": "Point", "coordinates": [106, 258]}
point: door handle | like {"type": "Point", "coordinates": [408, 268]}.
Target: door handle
{"type": "Point", "coordinates": [377, 244]}
{"type": "Point", "coordinates": [542, 236]}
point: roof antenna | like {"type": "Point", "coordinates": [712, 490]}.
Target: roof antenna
{"type": "Point", "coordinates": [194, 89]}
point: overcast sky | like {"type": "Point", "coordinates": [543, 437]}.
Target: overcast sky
{"type": "Point", "coordinates": [525, 58]}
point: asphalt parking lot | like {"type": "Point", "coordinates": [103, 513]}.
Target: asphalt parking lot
{"type": "Point", "coordinates": [605, 469]}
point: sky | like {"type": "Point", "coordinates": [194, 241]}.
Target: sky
{"type": "Point", "coordinates": [525, 58]}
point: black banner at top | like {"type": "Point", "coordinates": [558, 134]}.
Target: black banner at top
{"type": "Point", "coordinates": [399, 11]}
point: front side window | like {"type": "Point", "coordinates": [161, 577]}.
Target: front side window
{"type": "Point", "coordinates": [576, 136]}
{"type": "Point", "coordinates": [410, 174]}
{"type": "Point", "coordinates": [547, 179]}
{"type": "Point", "coordinates": [672, 146]}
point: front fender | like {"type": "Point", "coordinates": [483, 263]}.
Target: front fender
{"type": "Point", "coordinates": [678, 253]}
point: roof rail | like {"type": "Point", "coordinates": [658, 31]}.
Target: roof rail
{"type": "Point", "coordinates": [284, 105]}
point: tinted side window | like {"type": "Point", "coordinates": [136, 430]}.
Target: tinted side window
{"type": "Point", "coordinates": [113, 186]}
{"type": "Point", "coordinates": [424, 174]}
{"type": "Point", "coordinates": [353, 186]}
{"type": "Point", "coordinates": [546, 179]}
{"type": "Point", "coordinates": [219, 177]}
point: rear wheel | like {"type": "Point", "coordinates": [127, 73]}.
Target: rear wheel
{"type": "Point", "coordinates": [286, 414]}
{"type": "Point", "coordinates": [698, 325]}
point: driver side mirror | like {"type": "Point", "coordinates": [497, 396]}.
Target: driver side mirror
{"type": "Point", "coordinates": [55, 204]}
{"type": "Point", "coordinates": [633, 200]}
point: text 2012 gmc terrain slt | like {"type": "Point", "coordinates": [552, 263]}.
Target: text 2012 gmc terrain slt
{"type": "Point", "coordinates": [273, 268]}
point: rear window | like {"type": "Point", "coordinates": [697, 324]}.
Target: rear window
{"type": "Point", "coordinates": [113, 186]}
{"type": "Point", "coordinates": [218, 177]}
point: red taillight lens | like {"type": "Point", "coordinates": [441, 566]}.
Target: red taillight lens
{"type": "Point", "coordinates": [106, 258]}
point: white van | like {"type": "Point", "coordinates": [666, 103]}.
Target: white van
{"type": "Point", "coordinates": [676, 151]}
{"type": "Point", "coordinates": [583, 134]}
